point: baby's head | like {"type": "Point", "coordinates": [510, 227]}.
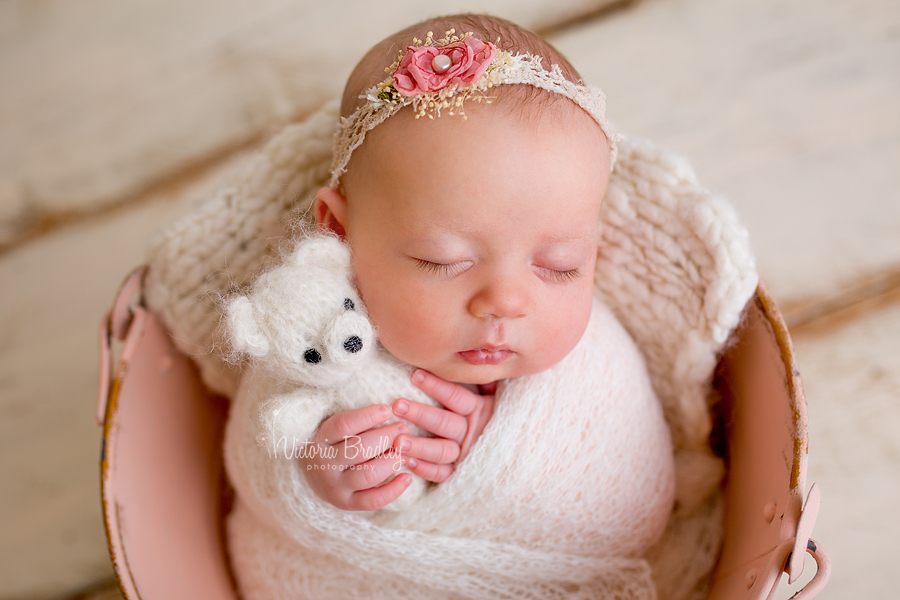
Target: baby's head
{"type": "Point", "coordinates": [474, 237]}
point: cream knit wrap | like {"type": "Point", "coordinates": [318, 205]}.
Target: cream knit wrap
{"type": "Point", "coordinates": [568, 486]}
{"type": "Point", "coordinates": [674, 266]}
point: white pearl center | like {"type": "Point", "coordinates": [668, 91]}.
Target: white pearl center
{"type": "Point", "coordinates": [441, 63]}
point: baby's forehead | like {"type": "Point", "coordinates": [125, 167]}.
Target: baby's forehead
{"type": "Point", "coordinates": [521, 106]}
{"type": "Point", "coordinates": [543, 121]}
{"type": "Point", "coordinates": [502, 161]}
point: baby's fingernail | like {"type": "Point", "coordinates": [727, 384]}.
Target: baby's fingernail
{"type": "Point", "coordinates": [418, 376]}
{"type": "Point", "coordinates": [402, 429]}
{"type": "Point", "coordinates": [385, 410]}
{"type": "Point", "coordinates": [411, 463]}
{"type": "Point", "coordinates": [405, 445]}
{"type": "Point", "coordinates": [401, 407]}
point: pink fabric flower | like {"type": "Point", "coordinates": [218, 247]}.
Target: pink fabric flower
{"type": "Point", "coordinates": [469, 59]}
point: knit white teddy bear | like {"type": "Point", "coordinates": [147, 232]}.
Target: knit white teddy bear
{"type": "Point", "coordinates": [313, 351]}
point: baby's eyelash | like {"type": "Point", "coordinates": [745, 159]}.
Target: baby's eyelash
{"type": "Point", "coordinates": [562, 276]}
{"type": "Point", "coordinates": [442, 269]}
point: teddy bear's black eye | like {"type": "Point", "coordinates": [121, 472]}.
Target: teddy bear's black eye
{"type": "Point", "coordinates": [312, 356]}
{"type": "Point", "coordinates": [348, 304]}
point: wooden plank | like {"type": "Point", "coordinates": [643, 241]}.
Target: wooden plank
{"type": "Point", "coordinates": [851, 375]}
{"type": "Point", "coordinates": [57, 290]}
{"type": "Point", "coordinates": [788, 108]}
{"type": "Point", "coordinates": [102, 98]}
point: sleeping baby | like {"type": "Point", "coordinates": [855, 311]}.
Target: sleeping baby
{"type": "Point", "coordinates": [522, 440]}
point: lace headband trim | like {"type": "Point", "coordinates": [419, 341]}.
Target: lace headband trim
{"type": "Point", "coordinates": [440, 75]}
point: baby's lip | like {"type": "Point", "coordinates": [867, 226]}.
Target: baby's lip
{"type": "Point", "coordinates": [486, 355]}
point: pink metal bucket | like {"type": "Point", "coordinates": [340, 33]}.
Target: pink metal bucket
{"type": "Point", "coordinates": [165, 495]}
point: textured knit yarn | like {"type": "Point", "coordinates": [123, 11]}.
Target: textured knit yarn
{"type": "Point", "coordinates": [568, 486]}
{"type": "Point", "coordinates": [675, 267]}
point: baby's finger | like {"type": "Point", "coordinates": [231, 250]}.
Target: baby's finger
{"type": "Point", "coordinates": [372, 473]}
{"type": "Point", "coordinates": [429, 471]}
{"type": "Point", "coordinates": [357, 449]}
{"type": "Point", "coordinates": [440, 422]}
{"type": "Point", "coordinates": [452, 396]}
{"type": "Point", "coordinates": [351, 422]}
{"type": "Point", "coordinates": [379, 497]}
{"type": "Point", "coordinates": [435, 450]}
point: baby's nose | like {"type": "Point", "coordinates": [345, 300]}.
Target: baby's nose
{"type": "Point", "coordinates": [503, 298]}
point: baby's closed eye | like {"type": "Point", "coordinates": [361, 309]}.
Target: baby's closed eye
{"type": "Point", "coordinates": [557, 275]}
{"type": "Point", "coordinates": [443, 269]}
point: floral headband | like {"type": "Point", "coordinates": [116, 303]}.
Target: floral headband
{"type": "Point", "coordinates": [437, 75]}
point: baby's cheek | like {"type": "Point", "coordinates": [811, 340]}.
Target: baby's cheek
{"type": "Point", "coordinates": [566, 325]}
{"type": "Point", "coordinates": [408, 326]}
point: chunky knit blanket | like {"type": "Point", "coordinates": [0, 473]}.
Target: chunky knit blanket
{"type": "Point", "coordinates": [675, 267]}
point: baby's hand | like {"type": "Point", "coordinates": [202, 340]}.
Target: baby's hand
{"type": "Point", "coordinates": [349, 457]}
{"type": "Point", "coordinates": [457, 426]}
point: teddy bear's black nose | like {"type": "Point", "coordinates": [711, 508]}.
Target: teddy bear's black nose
{"type": "Point", "coordinates": [353, 344]}
{"type": "Point", "coordinates": [312, 356]}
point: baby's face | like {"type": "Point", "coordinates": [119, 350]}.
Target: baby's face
{"type": "Point", "coordinates": [474, 241]}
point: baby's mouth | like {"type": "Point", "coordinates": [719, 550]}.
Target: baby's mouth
{"type": "Point", "coordinates": [486, 356]}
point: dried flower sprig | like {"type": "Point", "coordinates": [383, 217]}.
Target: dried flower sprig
{"type": "Point", "coordinates": [442, 74]}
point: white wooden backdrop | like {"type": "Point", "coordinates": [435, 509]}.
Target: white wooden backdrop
{"type": "Point", "coordinates": [114, 115]}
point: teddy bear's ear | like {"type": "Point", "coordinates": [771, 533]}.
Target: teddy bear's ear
{"type": "Point", "coordinates": [243, 328]}
{"type": "Point", "coordinates": [322, 250]}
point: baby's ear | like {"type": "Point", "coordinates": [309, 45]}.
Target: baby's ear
{"type": "Point", "coordinates": [322, 250]}
{"type": "Point", "coordinates": [243, 328]}
{"type": "Point", "coordinates": [330, 210]}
